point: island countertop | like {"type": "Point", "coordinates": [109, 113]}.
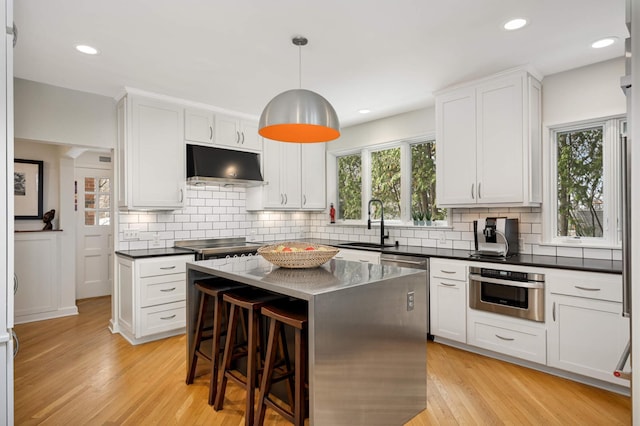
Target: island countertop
{"type": "Point", "coordinates": [304, 283]}
{"type": "Point", "coordinates": [367, 332]}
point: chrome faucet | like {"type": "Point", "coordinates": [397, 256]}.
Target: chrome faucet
{"type": "Point", "coordinates": [382, 236]}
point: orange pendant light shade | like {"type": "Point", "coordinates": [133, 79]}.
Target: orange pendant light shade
{"type": "Point", "coordinates": [300, 116]}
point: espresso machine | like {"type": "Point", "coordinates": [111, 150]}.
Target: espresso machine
{"type": "Point", "coordinates": [495, 237]}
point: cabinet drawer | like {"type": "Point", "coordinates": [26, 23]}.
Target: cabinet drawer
{"type": "Point", "coordinates": [449, 270]}
{"type": "Point", "coordinates": [591, 285]}
{"type": "Point", "coordinates": [161, 318]}
{"type": "Point", "coordinates": [519, 341]}
{"type": "Point", "coordinates": [162, 289]}
{"type": "Point", "coordinates": [164, 265]}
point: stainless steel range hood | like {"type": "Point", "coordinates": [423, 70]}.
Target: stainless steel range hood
{"type": "Point", "coordinates": [224, 166]}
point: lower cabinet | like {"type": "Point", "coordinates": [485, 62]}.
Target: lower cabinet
{"type": "Point", "coordinates": [587, 332]}
{"type": "Point", "coordinates": [448, 299]}
{"type": "Point", "coordinates": [151, 297]}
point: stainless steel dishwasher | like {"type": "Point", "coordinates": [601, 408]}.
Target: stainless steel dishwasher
{"type": "Point", "coordinates": [415, 262]}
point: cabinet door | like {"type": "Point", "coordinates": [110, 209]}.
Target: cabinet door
{"type": "Point", "coordinates": [272, 193]}
{"type": "Point", "coordinates": [499, 155]}
{"type": "Point", "coordinates": [290, 175]}
{"type": "Point", "coordinates": [37, 290]}
{"type": "Point", "coordinates": [227, 131]}
{"type": "Point", "coordinates": [456, 147]}
{"type": "Point", "coordinates": [448, 303]}
{"type": "Point", "coordinates": [586, 336]}
{"type": "Point", "coordinates": [125, 294]}
{"type": "Point", "coordinates": [198, 125]}
{"type": "Point", "coordinates": [313, 176]}
{"type": "Point", "coordinates": [250, 138]}
{"type": "Point", "coordinates": [157, 174]}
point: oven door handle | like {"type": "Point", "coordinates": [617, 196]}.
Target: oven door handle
{"type": "Point", "coordinates": [526, 284]}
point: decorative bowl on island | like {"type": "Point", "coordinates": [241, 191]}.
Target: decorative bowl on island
{"type": "Point", "coordinates": [296, 254]}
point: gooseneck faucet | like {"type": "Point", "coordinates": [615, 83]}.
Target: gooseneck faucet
{"type": "Point", "coordinates": [382, 236]}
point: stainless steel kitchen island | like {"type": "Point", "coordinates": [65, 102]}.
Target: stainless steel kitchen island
{"type": "Point", "coordinates": [367, 339]}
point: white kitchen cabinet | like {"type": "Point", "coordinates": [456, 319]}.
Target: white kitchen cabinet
{"type": "Point", "coordinates": [363, 256]}
{"type": "Point", "coordinates": [294, 176]}
{"type": "Point", "coordinates": [587, 332]}
{"type": "Point", "coordinates": [199, 125]}
{"type": "Point", "coordinates": [151, 297]}
{"type": "Point", "coordinates": [489, 145]}
{"type": "Point", "coordinates": [40, 291]}
{"type": "Point", "coordinates": [237, 133]}
{"type": "Point", "coordinates": [448, 299]}
{"type": "Point", "coordinates": [313, 173]}
{"type": "Point", "coordinates": [151, 154]}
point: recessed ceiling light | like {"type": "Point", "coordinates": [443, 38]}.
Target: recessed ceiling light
{"type": "Point", "coordinates": [86, 49]}
{"type": "Point", "coordinates": [604, 42]}
{"type": "Point", "coordinates": [364, 111]}
{"type": "Point", "coordinates": [515, 24]}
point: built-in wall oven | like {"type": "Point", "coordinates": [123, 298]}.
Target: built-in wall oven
{"type": "Point", "coordinates": [517, 294]}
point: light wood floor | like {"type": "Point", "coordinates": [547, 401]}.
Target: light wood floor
{"type": "Point", "coordinates": [73, 371]}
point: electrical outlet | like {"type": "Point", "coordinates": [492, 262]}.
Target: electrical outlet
{"type": "Point", "coordinates": [411, 300]}
{"type": "Point", "coordinates": [131, 234]}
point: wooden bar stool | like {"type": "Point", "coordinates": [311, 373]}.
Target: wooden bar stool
{"type": "Point", "coordinates": [293, 313]}
{"type": "Point", "coordinates": [210, 291]}
{"type": "Point", "coordinates": [248, 300]}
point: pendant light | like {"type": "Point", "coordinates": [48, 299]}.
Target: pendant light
{"type": "Point", "coordinates": [299, 115]}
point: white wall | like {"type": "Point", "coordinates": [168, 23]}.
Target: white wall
{"type": "Point", "coordinates": [54, 114]}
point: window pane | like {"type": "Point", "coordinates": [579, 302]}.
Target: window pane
{"type": "Point", "coordinates": [104, 201]}
{"type": "Point", "coordinates": [350, 187]}
{"type": "Point", "coordinates": [89, 218]}
{"type": "Point", "coordinates": [385, 182]}
{"type": "Point", "coordinates": [89, 184]}
{"type": "Point", "coordinates": [104, 219]}
{"type": "Point", "coordinates": [89, 201]}
{"type": "Point", "coordinates": [423, 183]}
{"type": "Point", "coordinates": [580, 184]}
{"type": "Point", "coordinates": [104, 185]}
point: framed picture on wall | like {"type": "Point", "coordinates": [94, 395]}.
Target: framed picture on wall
{"type": "Point", "coordinates": [27, 189]}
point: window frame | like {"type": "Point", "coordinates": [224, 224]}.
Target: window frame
{"type": "Point", "coordinates": [612, 129]}
{"type": "Point", "coordinates": [405, 185]}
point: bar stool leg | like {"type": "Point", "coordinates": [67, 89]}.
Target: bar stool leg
{"type": "Point", "coordinates": [300, 365]}
{"type": "Point", "coordinates": [251, 366]}
{"type": "Point", "coordinates": [198, 337]}
{"type": "Point", "coordinates": [226, 360]}
{"type": "Point", "coordinates": [215, 349]}
{"type": "Point", "coordinates": [270, 360]}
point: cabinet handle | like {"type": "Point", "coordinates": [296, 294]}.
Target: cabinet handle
{"type": "Point", "coordinates": [479, 187]}
{"type": "Point", "coordinates": [447, 284]}
{"type": "Point", "coordinates": [304, 200]}
{"type": "Point", "coordinates": [16, 346]}
{"type": "Point", "coordinates": [210, 133]}
{"type": "Point", "coordinates": [237, 136]}
{"type": "Point", "coordinates": [15, 284]}
{"type": "Point", "coordinates": [508, 339]}
{"type": "Point", "coordinates": [447, 272]}
{"type": "Point", "coordinates": [242, 138]}
{"type": "Point", "coordinates": [586, 288]}
{"type": "Point", "coordinates": [169, 317]}
{"type": "Point", "coordinates": [553, 311]}
{"type": "Point", "coordinates": [13, 31]}
{"type": "Point", "coordinates": [167, 290]}
{"type": "Point", "coordinates": [363, 260]}
{"type": "Point", "coordinates": [472, 194]}
{"type": "Point", "coordinates": [181, 195]}
{"type": "Point", "coordinates": [281, 198]}
{"type": "Point", "coordinates": [285, 199]}
{"type": "Point", "coordinates": [168, 267]}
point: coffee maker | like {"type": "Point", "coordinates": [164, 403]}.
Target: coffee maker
{"type": "Point", "coordinates": [496, 237]}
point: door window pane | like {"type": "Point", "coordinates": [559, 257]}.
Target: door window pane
{"type": "Point", "coordinates": [89, 201]}
{"type": "Point", "coordinates": [97, 214]}
{"type": "Point", "coordinates": [89, 218]}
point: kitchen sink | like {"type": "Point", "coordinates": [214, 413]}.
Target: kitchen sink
{"type": "Point", "coordinates": [364, 245]}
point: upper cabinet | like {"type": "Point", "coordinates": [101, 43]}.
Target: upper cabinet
{"type": "Point", "coordinates": [237, 133]}
{"type": "Point", "coordinates": [294, 176]}
{"type": "Point", "coordinates": [151, 154]}
{"type": "Point", "coordinates": [488, 142]}
{"type": "Point", "coordinates": [199, 125]}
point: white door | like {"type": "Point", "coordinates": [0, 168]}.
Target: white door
{"type": "Point", "coordinates": [94, 233]}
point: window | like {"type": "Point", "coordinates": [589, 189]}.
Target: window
{"type": "Point", "coordinates": [584, 187]}
{"type": "Point", "coordinates": [402, 175]}
{"type": "Point", "coordinates": [97, 201]}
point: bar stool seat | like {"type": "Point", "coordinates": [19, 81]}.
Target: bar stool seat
{"type": "Point", "coordinates": [248, 300]}
{"type": "Point", "coordinates": [210, 291]}
{"type": "Point", "coordinates": [293, 313]}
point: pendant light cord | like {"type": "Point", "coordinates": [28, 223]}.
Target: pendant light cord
{"type": "Point", "coordinates": [300, 66]}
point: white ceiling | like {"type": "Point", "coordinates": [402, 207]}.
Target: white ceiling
{"type": "Point", "coordinates": [386, 56]}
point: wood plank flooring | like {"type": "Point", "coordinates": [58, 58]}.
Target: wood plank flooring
{"type": "Point", "coordinates": [73, 371]}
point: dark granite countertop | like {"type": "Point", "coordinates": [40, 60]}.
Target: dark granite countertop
{"type": "Point", "coordinates": [157, 252]}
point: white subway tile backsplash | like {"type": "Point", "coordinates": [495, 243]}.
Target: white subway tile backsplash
{"type": "Point", "coordinates": [569, 251]}
{"type": "Point", "coordinates": [594, 253]}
